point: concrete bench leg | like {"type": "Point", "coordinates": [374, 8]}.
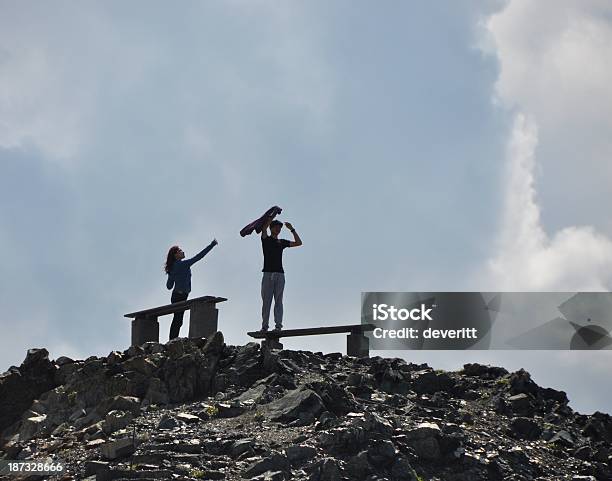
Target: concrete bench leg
{"type": "Point", "coordinates": [357, 345]}
{"type": "Point", "coordinates": [271, 343]}
{"type": "Point", "coordinates": [145, 329]}
{"type": "Point", "coordinates": [203, 320]}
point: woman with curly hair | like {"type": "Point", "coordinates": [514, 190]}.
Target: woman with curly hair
{"type": "Point", "coordinates": [179, 276]}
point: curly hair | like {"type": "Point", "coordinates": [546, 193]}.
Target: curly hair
{"type": "Point", "coordinates": [170, 258]}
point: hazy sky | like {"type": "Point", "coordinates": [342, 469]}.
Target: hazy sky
{"type": "Point", "coordinates": [416, 146]}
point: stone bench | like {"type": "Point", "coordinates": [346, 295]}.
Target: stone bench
{"type": "Point", "coordinates": [203, 320]}
{"type": "Point", "coordinates": [357, 344]}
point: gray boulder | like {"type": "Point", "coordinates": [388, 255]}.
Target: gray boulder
{"type": "Point", "coordinates": [19, 387]}
{"type": "Point", "coordinates": [117, 449]}
{"type": "Point", "coordinates": [424, 440]}
{"type": "Point", "coordinates": [274, 462]}
{"type": "Point", "coordinates": [298, 402]}
{"type": "Point", "coordinates": [525, 428]}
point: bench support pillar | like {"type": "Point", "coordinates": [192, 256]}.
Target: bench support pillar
{"type": "Point", "coordinates": [271, 343]}
{"type": "Point", "coordinates": [357, 345]}
{"type": "Point", "coordinates": [145, 329]}
{"type": "Point", "coordinates": [203, 320]}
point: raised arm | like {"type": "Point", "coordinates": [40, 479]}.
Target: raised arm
{"type": "Point", "coordinates": [264, 228]}
{"type": "Point", "coordinates": [201, 254]}
{"type": "Point", "coordinates": [296, 238]}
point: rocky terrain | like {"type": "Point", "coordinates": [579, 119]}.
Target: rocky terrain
{"type": "Point", "coordinates": [201, 409]}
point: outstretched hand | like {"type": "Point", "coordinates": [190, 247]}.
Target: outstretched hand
{"type": "Point", "coordinates": [214, 242]}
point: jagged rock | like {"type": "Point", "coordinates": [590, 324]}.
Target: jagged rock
{"type": "Point", "coordinates": [392, 381]}
{"type": "Point", "coordinates": [229, 409]}
{"type": "Point", "coordinates": [335, 398]}
{"type": "Point", "coordinates": [381, 452]}
{"type": "Point", "coordinates": [326, 420]}
{"type": "Point", "coordinates": [116, 420]}
{"type": "Point", "coordinates": [562, 438]}
{"type": "Point", "coordinates": [424, 440]}
{"type": "Point", "coordinates": [215, 344]}
{"type": "Point", "coordinates": [521, 383]}
{"type": "Point", "coordinates": [429, 382]}
{"type": "Point", "coordinates": [521, 404]}
{"type": "Point", "coordinates": [188, 418]}
{"type": "Point", "coordinates": [274, 462]}
{"type": "Point", "coordinates": [343, 439]}
{"type": "Point", "coordinates": [96, 467]}
{"type": "Point", "coordinates": [134, 351]}
{"type": "Point", "coordinates": [119, 403]}
{"type": "Point", "coordinates": [300, 453]}
{"type": "Point", "coordinates": [358, 466]}
{"type": "Point", "coordinates": [525, 428]}
{"type": "Point", "coordinates": [271, 476]}
{"type": "Point", "coordinates": [553, 394]}
{"type": "Point", "coordinates": [372, 419]}
{"type": "Point", "coordinates": [241, 447]}
{"type": "Point", "coordinates": [118, 448]}
{"type": "Point", "coordinates": [247, 366]}
{"type": "Point", "coordinates": [585, 453]}
{"type": "Point", "coordinates": [483, 371]}
{"type": "Point", "coordinates": [188, 373]}
{"type": "Point", "coordinates": [157, 392]}
{"type": "Point", "coordinates": [326, 470]}
{"type": "Point", "coordinates": [114, 357]}
{"type": "Point", "coordinates": [140, 364]}
{"type": "Point", "coordinates": [401, 470]}
{"type": "Point", "coordinates": [31, 426]}
{"type": "Point", "coordinates": [153, 347]}
{"type": "Point", "coordinates": [599, 427]}
{"type": "Point", "coordinates": [373, 423]}
{"type": "Point", "coordinates": [295, 403]}
{"type": "Point", "coordinates": [19, 387]}
{"type": "Point", "coordinates": [77, 414]}
{"type": "Point", "coordinates": [168, 422]}
{"type": "Point", "coordinates": [63, 360]}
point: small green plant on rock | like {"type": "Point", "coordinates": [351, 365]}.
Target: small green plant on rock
{"type": "Point", "coordinates": [197, 473]}
{"type": "Point", "coordinates": [212, 411]}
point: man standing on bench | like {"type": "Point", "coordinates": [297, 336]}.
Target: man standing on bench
{"type": "Point", "coordinates": [273, 280]}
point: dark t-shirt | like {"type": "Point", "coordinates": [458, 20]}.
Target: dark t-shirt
{"type": "Point", "coordinates": [273, 253]}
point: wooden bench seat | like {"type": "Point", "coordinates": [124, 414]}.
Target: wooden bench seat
{"type": "Point", "coordinates": [203, 320]}
{"type": "Point", "coordinates": [357, 344]}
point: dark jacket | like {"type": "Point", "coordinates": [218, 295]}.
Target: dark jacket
{"type": "Point", "coordinates": [257, 225]}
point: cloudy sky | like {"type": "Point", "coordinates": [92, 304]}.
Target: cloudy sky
{"type": "Point", "coordinates": [416, 146]}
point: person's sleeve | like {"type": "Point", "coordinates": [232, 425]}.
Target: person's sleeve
{"type": "Point", "coordinates": [170, 282]}
{"type": "Point", "coordinates": [199, 255]}
{"type": "Point", "coordinates": [286, 243]}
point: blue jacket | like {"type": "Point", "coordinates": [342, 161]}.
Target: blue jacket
{"type": "Point", "coordinates": [180, 272]}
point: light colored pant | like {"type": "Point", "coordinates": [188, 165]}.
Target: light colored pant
{"type": "Point", "coordinates": [272, 285]}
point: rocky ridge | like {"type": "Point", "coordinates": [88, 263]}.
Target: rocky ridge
{"type": "Point", "coordinates": [200, 409]}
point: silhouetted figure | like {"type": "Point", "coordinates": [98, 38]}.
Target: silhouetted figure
{"type": "Point", "coordinates": [179, 276]}
{"type": "Point", "coordinates": [273, 280]}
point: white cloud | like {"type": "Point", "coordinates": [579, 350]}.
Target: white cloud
{"type": "Point", "coordinates": [554, 72]}
{"type": "Point", "coordinates": [574, 258]}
